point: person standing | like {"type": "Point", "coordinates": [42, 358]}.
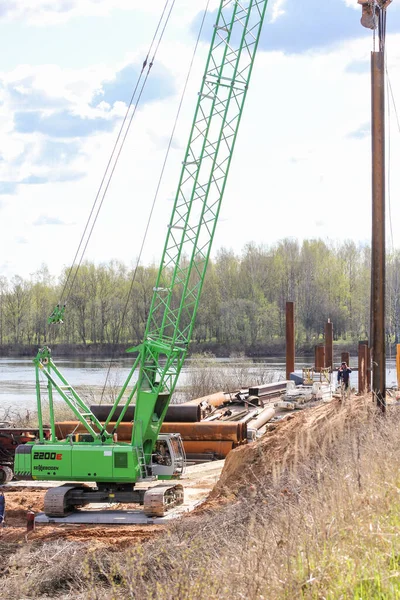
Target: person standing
{"type": "Point", "coordinates": [344, 375]}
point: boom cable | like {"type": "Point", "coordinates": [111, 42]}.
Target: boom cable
{"type": "Point", "coordinates": [393, 99]}
{"type": "Point", "coordinates": [115, 154]}
{"type": "Point", "coordinates": [390, 98]}
{"type": "Point", "coordinates": [124, 312]}
{"type": "Point", "coordinates": [117, 157]}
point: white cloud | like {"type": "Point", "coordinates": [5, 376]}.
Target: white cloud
{"type": "Point", "coordinates": [277, 9]}
{"type": "Point", "coordinates": [43, 108]}
{"type": "Point", "coordinates": [353, 4]}
{"type": "Point", "coordinates": [43, 12]}
{"type": "Point", "coordinates": [296, 166]}
{"type": "Point", "coordinates": [47, 220]}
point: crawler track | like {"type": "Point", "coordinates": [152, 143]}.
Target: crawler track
{"type": "Point", "coordinates": [56, 501]}
{"type": "Point", "coordinates": [161, 498]}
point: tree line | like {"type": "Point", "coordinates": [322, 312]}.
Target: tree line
{"type": "Point", "coordinates": [243, 300]}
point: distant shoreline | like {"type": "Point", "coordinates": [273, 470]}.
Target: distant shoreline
{"type": "Point", "coordinates": [219, 350]}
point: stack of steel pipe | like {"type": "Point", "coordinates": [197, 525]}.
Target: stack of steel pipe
{"type": "Point", "coordinates": [198, 438]}
{"type": "Point", "coordinates": [176, 413]}
{"type": "Point", "coordinates": [210, 426]}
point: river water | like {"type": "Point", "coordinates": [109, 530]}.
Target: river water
{"type": "Point", "coordinates": [88, 376]}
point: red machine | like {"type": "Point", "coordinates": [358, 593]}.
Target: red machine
{"type": "Point", "coordinates": [10, 438]}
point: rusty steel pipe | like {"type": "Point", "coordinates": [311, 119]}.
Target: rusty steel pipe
{"type": "Point", "coordinates": [64, 428]}
{"type": "Point", "coordinates": [378, 271]}
{"type": "Point", "coordinates": [369, 369]}
{"type": "Point", "coordinates": [362, 366]}
{"type": "Point", "coordinates": [176, 413]}
{"type": "Point", "coordinates": [319, 358]}
{"type": "Point", "coordinates": [219, 449]}
{"type": "Point", "coordinates": [345, 357]}
{"type": "Point", "coordinates": [211, 430]}
{"type": "Point", "coordinates": [216, 431]}
{"type": "Point", "coordinates": [216, 399]}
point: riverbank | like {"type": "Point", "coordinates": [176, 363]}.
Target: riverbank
{"type": "Point", "coordinates": [276, 349]}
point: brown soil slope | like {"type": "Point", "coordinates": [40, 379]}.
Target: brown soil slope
{"type": "Point", "coordinates": [293, 440]}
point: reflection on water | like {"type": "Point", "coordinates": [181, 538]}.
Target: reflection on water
{"type": "Point", "coordinates": [17, 376]}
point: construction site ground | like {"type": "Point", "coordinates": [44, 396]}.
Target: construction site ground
{"type": "Point", "coordinates": [207, 485]}
{"type": "Point", "coordinates": [198, 482]}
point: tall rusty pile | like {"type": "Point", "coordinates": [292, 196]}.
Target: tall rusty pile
{"type": "Point", "coordinates": [210, 426]}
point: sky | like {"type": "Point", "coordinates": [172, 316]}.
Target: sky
{"type": "Point", "coordinates": [302, 162]}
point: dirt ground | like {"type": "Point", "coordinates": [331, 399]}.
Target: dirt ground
{"type": "Point", "coordinates": [19, 500]}
{"type": "Point", "coordinates": [198, 482]}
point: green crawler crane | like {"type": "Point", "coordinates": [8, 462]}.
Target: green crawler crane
{"type": "Point", "coordinates": [97, 456]}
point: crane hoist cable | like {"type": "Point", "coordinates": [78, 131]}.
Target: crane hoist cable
{"type": "Point", "coordinates": [171, 138]}
{"type": "Point", "coordinates": [126, 124]}
{"type": "Point", "coordinates": [58, 312]}
{"type": "Point", "coordinates": [390, 97]}
{"type": "Point", "coordinates": [124, 139]}
{"type": "Point", "coordinates": [393, 99]}
{"type": "Point", "coordinates": [389, 150]}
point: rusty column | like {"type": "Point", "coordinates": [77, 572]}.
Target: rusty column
{"type": "Point", "coordinates": [319, 357]}
{"type": "Point", "coordinates": [369, 369]}
{"type": "Point", "coordinates": [378, 230]}
{"type": "Point", "coordinates": [362, 367]}
{"type": "Point", "coordinates": [329, 344]}
{"type": "Point", "coordinates": [398, 364]}
{"type": "Point", "coordinates": [345, 358]}
{"type": "Point", "coordinates": [290, 351]}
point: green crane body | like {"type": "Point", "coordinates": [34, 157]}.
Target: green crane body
{"type": "Point", "coordinates": [97, 456]}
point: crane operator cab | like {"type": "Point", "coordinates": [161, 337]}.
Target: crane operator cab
{"type": "Point", "coordinates": [168, 459]}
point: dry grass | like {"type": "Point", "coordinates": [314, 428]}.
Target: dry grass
{"type": "Point", "coordinates": [48, 570]}
{"type": "Point", "coordinates": [326, 527]}
{"type": "Point", "coordinates": [29, 418]}
{"type": "Point", "coordinates": [322, 523]}
{"type": "Point", "coordinates": [207, 374]}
